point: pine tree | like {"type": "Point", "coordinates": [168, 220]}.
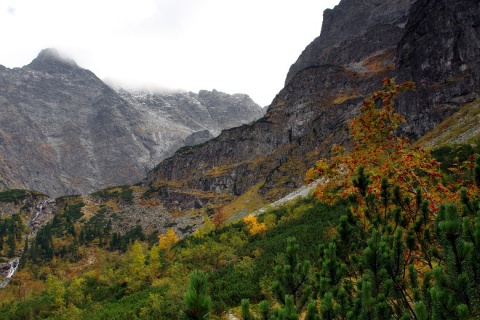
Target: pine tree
{"type": "Point", "coordinates": [197, 301]}
{"type": "Point", "coordinates": [246, 314]}
{"type": "Point", "coordinates": [455, 293]}
{"type": "Point", "coordinates": [292, 278]}
{"type": "Point", "coordinates": [331, 281]}
{"type": "Point", "coordinates": [264, 310]}
{"type": "Point", "coordinates": [312, 312]}
{"type": "Point", "coordinates": [289, 311]}
{"type": "Point", "coordinates": [477, 171]}
{"type": "Point", "coordinates": [11, 245]}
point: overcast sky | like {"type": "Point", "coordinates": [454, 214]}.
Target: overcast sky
{"type": "Point", "coordinates": [235, 46]}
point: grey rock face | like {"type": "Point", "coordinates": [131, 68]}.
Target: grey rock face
{"type": "Point", "coordinates": [64, 131]}
{"type": "Point", "coordinates": [354, 30]}
{"type": "Point", "coordinates": [198, 137]}
{"type": "Point", "coordinates": [440, 52]}
{"type": "Point", "coordinates": [63, 128]}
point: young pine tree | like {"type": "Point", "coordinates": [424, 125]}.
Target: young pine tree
{"type": "Point", "coordinates": [197, 302]}
{"type": "Point", "coordinates": [292, 278]}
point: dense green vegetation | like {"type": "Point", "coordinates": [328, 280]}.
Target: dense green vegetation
{"type": "Point", "coordinates": [15, 195]}
{"type": "Point", "coordinates": [11, 231]}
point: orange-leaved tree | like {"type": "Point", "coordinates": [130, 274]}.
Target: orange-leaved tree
{"type": "Point", "coordinates": [408, 245]}
{"type": "Point", "coordinates": [379, 154]}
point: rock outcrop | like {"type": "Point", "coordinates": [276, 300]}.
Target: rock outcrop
{"type": "Point", "coordinates": [64, 131]}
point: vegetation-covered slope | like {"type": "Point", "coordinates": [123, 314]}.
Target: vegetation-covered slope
{"type": "Point", "coordinates": [389, 235]}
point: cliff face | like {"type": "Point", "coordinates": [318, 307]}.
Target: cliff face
{"type": "Point", "coordinates": [361, 42]}
{"type": "Point", "coordinates": [63, 131]}
{"type": "Point", "coordinates": [440, 51]}
{"type": "Point", "coordinates": [353, 31]}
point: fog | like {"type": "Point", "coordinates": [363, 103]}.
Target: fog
{"type": "Point", "coordinates": [233, 46]}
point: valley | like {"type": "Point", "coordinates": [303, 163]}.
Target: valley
{"type": "Point", "coordinates": [354, 195]}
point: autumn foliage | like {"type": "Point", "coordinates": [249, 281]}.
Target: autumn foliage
{"type": "Point", "coordinates": [408, 246]}
{"type": "Point", "coordinates": [393, 233]}
{"type": "Point", "coordinates": [383, 155]}
{"type": "Point", "coordinates": [253, 226]}
{"type": "Point", "coordinates": [167, 241]}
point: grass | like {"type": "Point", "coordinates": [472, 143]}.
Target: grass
{"type": "Point", "coordinates": [461, 127]}
{"type": "Point", "coordinates": [248, 202]}
{"type": "Point", "coordinates": [341, 97]}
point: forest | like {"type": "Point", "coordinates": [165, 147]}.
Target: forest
{"type": "Point", "coordinates": [392, 231]}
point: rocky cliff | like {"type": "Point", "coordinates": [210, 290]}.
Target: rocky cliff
{"type": "Point", "coordinates": [361, 42]}
{"type": "Point", "coordinates": [440, 51]}
{"type": "Point", "coordinates": [64, 131]}
{"type": "Point", "coordinates": [353, 31]}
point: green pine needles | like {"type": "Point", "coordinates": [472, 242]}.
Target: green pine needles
{"type": "Point", "coordinates": [197, 302]}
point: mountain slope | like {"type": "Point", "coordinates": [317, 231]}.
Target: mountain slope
{"type": "Point", "coordinates": [361, 42]}
{"type": "Point", "coordinates": [64, 131]}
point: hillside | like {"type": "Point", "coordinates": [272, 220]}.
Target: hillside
{"type": "Point", "coordinates": [388, 234]}
{"type": "Point", "coordinates": [247, 167]}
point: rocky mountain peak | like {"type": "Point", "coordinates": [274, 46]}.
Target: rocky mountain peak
{"type": "Point", "coordinates": [352, 31]}
{"type": "Point", "coordinates": [51, 61]}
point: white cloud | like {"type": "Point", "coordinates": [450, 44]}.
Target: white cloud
{"type": "Point", "coordinates": [233, 46]}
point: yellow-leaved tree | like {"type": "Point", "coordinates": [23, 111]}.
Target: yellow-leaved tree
{"type": "Point", "coordinates": [166, 242]}
{"type": "Point", "coordinates": [253, 226]}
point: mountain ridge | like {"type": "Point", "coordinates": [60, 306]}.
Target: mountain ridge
{"type": "Point", "coordinates": [65, 131]}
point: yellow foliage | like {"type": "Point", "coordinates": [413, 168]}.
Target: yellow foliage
{"type": "Point", "coordinates": [75, 291]}
{"type": "Point", "coordinates": [253, 226]}
{"type": "Point", "coordinates": [55, 288]}
{"type": "Point", "coordinates": [133, 270]}
{"type": "Point", "coordinates": [167, 241]}
{"type": "Point", "coordinates": [153, 268]}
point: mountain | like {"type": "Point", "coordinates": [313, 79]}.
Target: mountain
{"type": "Point", "coordinates": [64, 131]}
{"type": "Point", "coordinates": [433, 43]}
